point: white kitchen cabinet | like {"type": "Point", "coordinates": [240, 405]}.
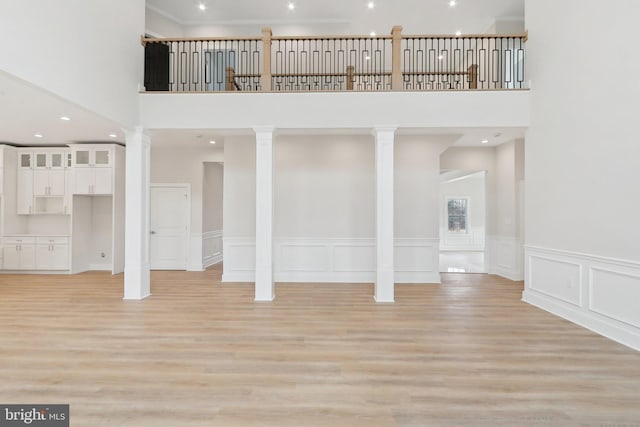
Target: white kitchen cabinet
{"type": "Point", "coordinates": [92, 156]}
{"type": "Point", "coordinates": [48, 173]}
{"type": "Point", "coordinates": [19, 253]}
{"type": "Point", "coordinates": [25, 192]}
{"type": "Point", "coordinates": [52, 253]}
{"type": "Point", "coordinates": [93, 181]}
{"type": "Point", "coordinates": [92, 169]}
{"type": "Point", "coordinates": [42, 181]}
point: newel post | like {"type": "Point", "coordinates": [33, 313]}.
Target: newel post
{"type": "Point", "coordinates": [396, 63]}
{"type": "Point", "coordinates": [265, 77]}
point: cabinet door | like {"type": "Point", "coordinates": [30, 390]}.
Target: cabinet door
{"type": "Point", "coordinates": [102, 157]}
{"type": "Point", "coordinates": [81, 158]}
{"type": "Point", "coordinates": [56, 182]}
{"type": "Point", "coordinates": [52, 256]}
{"type": "Point", "coordinates": [59, 257]}
{"type": "Point", "coordinates": [28, 257]}
{"type": "Point", "coordinates": [56, 161]}
{"type": "Point", "coordinates": [83, 181]}
{"type": "Point", "coordinates": [24, 161]}
{"type": "Point", "coordinates": [40, 182]}
{"type": "Point", "coordinates": [43, 256]}
{"type": "Point", "coordinates": [41, 161]}
{"type": "Point", "coordinates": [11, 257]}
{"type": "Point", "coordinates": [102, 181]}
{"type": "Point", "coordinates": [25, 192]}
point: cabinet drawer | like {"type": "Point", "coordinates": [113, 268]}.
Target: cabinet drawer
{"type": "Point", "coordinates": [57, 240]}
{"type": "Point", "coordinates": [16, 240]}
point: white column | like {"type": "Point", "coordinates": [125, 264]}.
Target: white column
{"type": "Point", "coordinates": [137, 281]}
{"type": "Point", "coordinates": [264, 214]}
{"type": "Point", "coordinates": [384, 138]}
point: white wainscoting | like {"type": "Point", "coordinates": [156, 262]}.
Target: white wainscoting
{"type": "Point", "coordinates": [211, 248]}
{"type": "Point", "coordinates": [601, 294]}
{"type": "Point", "coordinates": [324, 260]}
{"type": "Point", "coordinates": [239, 259]}
{"type": "Point", "coordinates": [474, 240]}
{"type": "Point", "coordinates": [417, 260]}
{"type": "Point", "coordinates": [504, 257]}
{"type": "Point", "coordinates": [195, 253]}
{"type": "Point", "coordinates": [332, 260]}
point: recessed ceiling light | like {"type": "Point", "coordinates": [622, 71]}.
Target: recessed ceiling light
{"type": "Point", "coordinates": [212, 142]}
{"type": "Point", "coordinates": [368, 58]}
{"type": "Point", "coordinates": [202, 6]}
{"type": "Point", "coordinates": [38, 135]}
{"type": "Point", "coordinates": [371, 5]}
{"type": "Point", "coordinates": [458, 33]}
{"type": "Point", "coordinates": [373, 34]}
{"type": "Point", "coordinates": [440, 57]}
{"type": "Point", "coordinates": [291, 5]}
{"type": "Point", "coordinates": [452, 3]}
{"type": "Point", "coordinates": [485, 141]}
{"type": "Point", "coordinates": [113, 135]}
{"type": "Point", "coordinates": [65, 118]}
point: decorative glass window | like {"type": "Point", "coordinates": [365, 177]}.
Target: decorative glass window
{"type": "Point", "coordinates": [457, 214]}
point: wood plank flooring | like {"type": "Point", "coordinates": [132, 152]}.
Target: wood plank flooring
{"type": "Point", "coordinates": [201, 353]}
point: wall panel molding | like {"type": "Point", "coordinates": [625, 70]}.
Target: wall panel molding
{"type": "Point", "coordinates": [601, 294]}
{"type": "Point", "coordinates": [504, 257]}
{"type": "Point", "coordinates": [332, 260]}
{"type": "Point", "coordinates": [211, 248]}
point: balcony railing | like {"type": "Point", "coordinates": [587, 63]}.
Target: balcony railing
{"type": "Point", "coordinates": [335, 63]}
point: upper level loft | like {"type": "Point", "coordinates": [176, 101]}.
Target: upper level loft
{"type": "Point", "coordinates": [365, 63]}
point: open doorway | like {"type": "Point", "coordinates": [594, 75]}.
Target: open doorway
{"type": "Point", "coordinates": [462, 221]}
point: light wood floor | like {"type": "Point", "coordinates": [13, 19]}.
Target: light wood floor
{"type": "Point", "coordinates": [202, 353]}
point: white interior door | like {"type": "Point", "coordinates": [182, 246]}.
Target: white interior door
{"type": "Point", "coordinates": [169, 227]}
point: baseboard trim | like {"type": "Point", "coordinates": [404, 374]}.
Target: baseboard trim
{"type": "Point", "coordinates": [587, 320]}
{"type": "Point", "coordinates": [417, 278]}
{"type": "Point", "coordinates": [213, 260]}
{"type": "Point", "coordinates": [236, 277]}
{"type": "Point", "coordinates": [99, 267]}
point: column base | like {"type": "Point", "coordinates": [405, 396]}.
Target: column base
{"type": "Point", "coordinates": [137, 283]}
{"type": "Point", "coordinates": [385, 287]}
{"type": "Point", "coordinates": [264, 285]}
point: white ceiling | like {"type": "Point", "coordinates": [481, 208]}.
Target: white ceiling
{"type": "Point", "coordinates": [416, 16]}
{"type": "Point", "coordinates": [26, 110]}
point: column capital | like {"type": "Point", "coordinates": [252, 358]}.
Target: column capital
{"type": "Point", "coordinates": [264, 129]}
{"type": "Point", "coordinates": [378, 130]}
{"type": "Point", "coordinates": [137, 132]}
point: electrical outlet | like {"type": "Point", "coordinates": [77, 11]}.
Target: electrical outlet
{"type": "Point", "coordinates": [102, 255]}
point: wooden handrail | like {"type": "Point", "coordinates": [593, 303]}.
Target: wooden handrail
{"type": "Point", "coordinates": [145, 40]}
{"type": "Point", "coordinates": [345, 37]}
{"type": "Point", "coordinates": [524, 36]}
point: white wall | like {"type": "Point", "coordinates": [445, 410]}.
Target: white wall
{"type": "Point", "coordinates": [84, 51]}
{"type": "Point", "coordinates": [212, 194]}
{"type": "Point", "coordinates": [582, 235]}
{"type": "Point", "coordinates": [212, 220]}
{"type": "Point", "coordinates": [186, 166]}
{"type": "Point", "coordinates": [417, 182]}
{"type": "Point", "coordinates": [324, 186]}
{"type": "Point", "coordinates": [324, 208]}
{"type": "Point", "coordinates": [340, 110]}
{"type": "Point", "coordinates": [473, 188]}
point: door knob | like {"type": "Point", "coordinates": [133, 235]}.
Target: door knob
{"type": "Point", "coordinates": [153, 232]}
